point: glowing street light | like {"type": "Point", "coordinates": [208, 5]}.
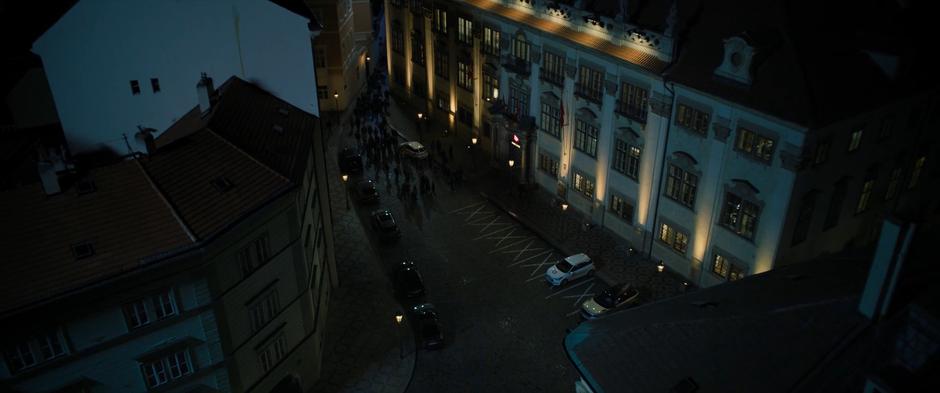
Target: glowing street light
{"type": "Point", "coordinates": [564, 206]}
{"type": "Point", "coordinates": [661, 266]}
{"type": "Point", "coordinates": [473, 140]}
{"type": "Point", "coordinates": [345, 178]}
{"type": "Point", "coordinates": [401, 347]}
{"type": "Point", "coordinates": [511, 163]}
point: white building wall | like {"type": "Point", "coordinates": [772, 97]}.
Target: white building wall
{"type": "Point", "coordinates": [93, 52]}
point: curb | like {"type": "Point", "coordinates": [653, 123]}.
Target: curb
{"type": "Point", "coordinates": [541, 234]}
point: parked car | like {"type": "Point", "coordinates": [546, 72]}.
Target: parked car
{"type": "Point", "coordinates": [617, 296]}
{"type": "Point", "coordinates": [366, 191]}
{"type": "Point", "coordinates": [350, 161]}
{"type": "Point", "coordinates": [429, 327]}
{"type": "Point", "coordinates": [408, 281]}
{"type": "Point", "coordinates": [570, 268]}
{"type": "Point", "coordinates": [413, 149]}
{"type": "Point", "coordinates": [384, 223]}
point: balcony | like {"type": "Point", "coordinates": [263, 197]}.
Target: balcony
{"type": "Point", "coordinates": [517, 66]}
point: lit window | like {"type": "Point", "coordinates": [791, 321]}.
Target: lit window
{"type": "Point", "coordinates": [440, 20]}
{"type": "Point", "coordinates": [675, 239]}
{"type": "Point", "coordinates": [736, 273]}
{"type": "Point", "coordinates": [626, 159]}
{"type": "Point", "coordinates": [865, 195]}
{"type": "Point", "coordinates": [551, 119]}
{"type": "Point", "coordinates": [755, 145]}
{"type": "Point", "coordinates": [740, 216]}
{"type": "Point", "coordinates": [491, 41]}
{"type": "Point", "coordinates": [720, 266]}
{"type": "Point", "coordinates": [681, 186]}
{"type": "Point", "coordinates": [856, 140]}
{"type": "Point", "coordinates": [464, 75]}
{"type": "Point", "coordinates": [584, 185]}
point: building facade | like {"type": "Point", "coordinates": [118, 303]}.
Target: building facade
{"type": "Point", "coordinates": [204, 265]}
{"type": "Point", "coordinates": [135, 67]}
{"type": "Point", "coordinates": [342, 50]}
{"type": "Point", "coordinates": [692, 149]}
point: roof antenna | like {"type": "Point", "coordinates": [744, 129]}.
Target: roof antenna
{"type": "Point", "coordinates": [126, 142]}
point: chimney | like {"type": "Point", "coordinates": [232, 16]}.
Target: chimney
{"type": "Point", "coordinates": [205, 91]}
{"type": "Point", "coordinates": [885, 268]}
{"type": "Point", "coordinates": [146, 135]}
{"type": "Point", "coordinates": [48, 168]}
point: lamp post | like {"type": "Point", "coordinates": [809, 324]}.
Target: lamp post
{"type": "Point", "coordinates": [564, 220]}
{"type": "Point", "coordinates": [512, 180]}
{"type": "Point", "coordinates": [401, 347]}
{"type": "Point", "coordinates": [345, 186]}
{"type": "Point", "coordinates": [421, 120]}
{"type": "Point", "coordinates": [473, 160]}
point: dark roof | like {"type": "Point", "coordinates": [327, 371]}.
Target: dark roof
{"type": "Point", "coordinates": [18, 152]}
{"type": "Point", "coordinates": [296, 6]}
{"type": "Point", "coordinates": [200, 181]}
{"type": "Point", "coordinates": [810, 68]}
{"type": "Point", "coordinates": [190, 171]}
{"type": "Point", "coordinates": [254, 131]}
{"type": "Point", "coordinates": [125, 220]}
{"type": "Point", "coordinates": [762, 333]}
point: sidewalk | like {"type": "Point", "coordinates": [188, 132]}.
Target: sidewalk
{"type": "Point", "coordinates": [363, 346]}
{"type": "Point", "coordinates": [539, 211]}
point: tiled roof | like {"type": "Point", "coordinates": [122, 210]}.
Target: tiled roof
{"type": "Point", "coordinates": [763, 333]}
{"type": "Point", "coordinates": [630, 55]}
{"type": "Point", "coordinates": [186, 169]}
{"type": "Point", "coordinates": [201, 180]}
{"type": "Point", "coordinates": [273, 131]}
{"type": "Point", "coordinates": [125, 219]}
{"type": "Point", "coordinates": [809, 66]}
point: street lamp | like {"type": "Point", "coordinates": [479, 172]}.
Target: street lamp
{"type": "Point", "coordinates": [401, 347]}
{"type": "Point", "coordinates": [661, 266]}
{"type": "Point", "coordinates": [367, 65]}
{"type": "Point", "coordinates": [345, 178]}
{"type": "Point", "coordinates": [421, 120]}
{"type": "Point", "coordinates": [336, 101]}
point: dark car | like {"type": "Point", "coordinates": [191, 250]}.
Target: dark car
{"type": "Point", "coordinates": [366, 191]}
{"type": "Point", "coordinates": [384, 223]}
{"type": "Point", "coordinates": [429, 327]}
{"type": "Point", "coordinates": [408, 281]}
{"type": "Point", "coordinates": [350, 161]}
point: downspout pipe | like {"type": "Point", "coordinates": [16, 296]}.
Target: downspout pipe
{"type": "Point", "coordinates": [662, 167]}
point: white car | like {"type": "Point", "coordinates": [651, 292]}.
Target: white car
{"type": "Point", "coordinates": [620, 295]}
{"type": "Point", "coordinates": [570, 268]}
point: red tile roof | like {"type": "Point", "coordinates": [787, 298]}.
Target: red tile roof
{"type": "Point", "coordinates": [149, 207]}
{"type": "Point", "coordinates": [125, 220]}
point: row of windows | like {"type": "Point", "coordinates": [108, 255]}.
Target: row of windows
{"type": "Point", "coordinates": [837, 198]}
{"type": "Point", "coordinates": [169, 367]}
{"type": "Point", "coordinates": [43, 348]}
{"type": "Point", "coordinates": [154, 86]}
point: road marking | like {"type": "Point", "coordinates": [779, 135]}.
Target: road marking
{"type": "Point", "coordinates": [524, 238]}
{"type": "Point", "coordinates": [491, 223]}
{"type": "Point", "coordinates": [583, 294]}
{"type": "Point", "coordinates": [531, 256]}
{"type": "Point", "coordinates": [523, 250]}
{"type": "Point", "coordinates": [539, 266]}
{"type": "Point", "coordinates": [467, 207]}
{"type": "Point", "coordinates": [493, 233]}
{"type": "Point", "coordinates": [570, 287]}
{"type": "Point", "coordinates": [475, 212]}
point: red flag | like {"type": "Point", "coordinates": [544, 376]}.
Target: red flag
{"type": "Point", "coordinates": [561, 114]}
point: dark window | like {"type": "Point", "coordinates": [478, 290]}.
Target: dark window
{"type": "Point", "coordinates": [623, 209]}
{"type": "Point", "coordinates": [398, 38]}
{"type": "Point", "coordinates": [740, 216]}
{"type": "Point", "coordinates": [465, 115]}
{"type": "Point", "coordinates": [520, 49]}
{"type": "Point", "coordinates": [549, 165]}
{"type": "Point", "coordinates": [894, 182]}
{"type": "Point", "coordinates": [319, 57]}
{"type": "Point", "coordinates": [222, 184]}
{"type": "Point", "coordinates": [887, 127]}
{"type": "Point", "coordinates": [550, 119]}
{"type": "Point", "coordinates": [822, 152]}
{"type": "Point", "coordinates": [590, 82]}
{"type": "Point", "coordinates": [323, 93]}
{"type": "Point", "coordinates": [835, 204]}
{"type": "Point", "coordinates": [864, 196]}
{"type": "Point", "coordinates": [681, 186]}
{"type": "Point", "coordinates": [804, 219]}
{"type": "Point", "coordinates": [915, 172]}
{"type": "Point", "coordinates": [83, 250]}
{"type": "Point", "coordinates": [518, 100]}
{"type": "Point", "coordinates": [490, 86]}
{"type": "Point", "coordinates": [135, 87]}
{"type": "Point", "coordinates": [417, 47]}
{"type": "Point", "coordinates": [172, 366]}
{"type": "Point", "coordinates": [855, 139]}
{"type": "Point", "coordinates": [142, 312]}
{"type": "Point", "coordinates": [626, 159]}
{"type": "Point", "coordinates": [441, 63]}
{"type": "Point", "coordinates": [254, 255]}
{"type": "Point", "coordinates": [692, 119]}
{"type": "Point", "coordinates": [553, 68]}
{"type": "Point", "coordinates": [155, 84]}
{"type": "Point", "coordinates": [633, 101]}
{"type": "Point", "coordinates": [585, 137]}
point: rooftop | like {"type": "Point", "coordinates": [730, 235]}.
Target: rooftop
{"type": "Point", "coordinates": [204, 176]}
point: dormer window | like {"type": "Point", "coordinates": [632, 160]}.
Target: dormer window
{"type": "Point", "coordinates": [737, 60]}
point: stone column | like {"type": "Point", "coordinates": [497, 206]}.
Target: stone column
{"type": "Point", "coordinates": [654, 146]}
